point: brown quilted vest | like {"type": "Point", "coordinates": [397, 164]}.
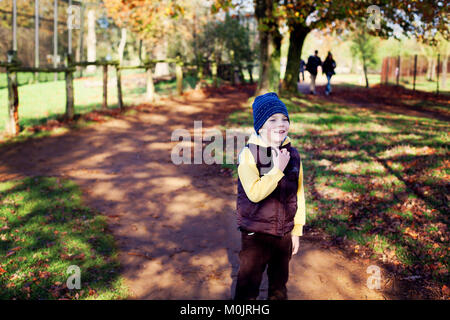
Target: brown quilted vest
{"type": "Point", "coordinates": [275, 213]}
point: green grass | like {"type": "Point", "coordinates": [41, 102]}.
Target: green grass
{"type": "Point", "coordinates": [355, 79]}
{"type": "Point", "coordinates": [422, 84]}
{"type": "Point", "coordinates": [25, 78]}
{"type": "Point", "coordinates": [44, 229]}
{"type": "Point", "coordinates": [377, 179]}
{"type": "Point", "coordinates": [39, 102]}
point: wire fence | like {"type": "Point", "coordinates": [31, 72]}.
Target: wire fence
{"type": "Point", "coordinates": [416, 72]}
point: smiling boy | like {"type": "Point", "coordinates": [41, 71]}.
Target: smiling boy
{"type": "Point", "coordinates": [270, 201]}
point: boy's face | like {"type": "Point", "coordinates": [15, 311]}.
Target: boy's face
{"type": "Point", "coordinates": [275, 129]}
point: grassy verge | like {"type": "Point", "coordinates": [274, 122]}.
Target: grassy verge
{"type": "Point", "coordinates": [377, 183]}
{"type": "Point", "coordinates": [44, 229]}
{"type": "Point", "coordinates": [51, 126]}
{"type": "Point", "coordinates": [39, 102]}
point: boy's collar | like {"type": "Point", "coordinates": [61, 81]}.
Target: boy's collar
{"type": "Point", "coordinates": [256, 139]}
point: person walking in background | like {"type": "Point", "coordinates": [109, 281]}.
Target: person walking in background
{"type": "Point", "coordinates": [328, 69]}
{"type": "Point", "coordinates": [302, 69]}
{"type": "Point", "coordinates": [311, 66]}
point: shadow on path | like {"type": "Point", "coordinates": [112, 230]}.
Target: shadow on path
{"type": "Point", "coordinates": [174, 224]}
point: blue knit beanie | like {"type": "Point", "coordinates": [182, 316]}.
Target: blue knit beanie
{"type": "Point", "coordinates": [266, 105]}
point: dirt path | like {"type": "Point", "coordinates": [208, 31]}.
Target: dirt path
{"type": "Point", "coordinates": [175, 225]}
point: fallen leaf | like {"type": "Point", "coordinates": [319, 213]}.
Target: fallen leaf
{"type": "Point", "coordinates": [446, 290]}
{"type": "Point", "coordinates": [10, 253]}
{"type": "Point", "coordinates": [144, 255]}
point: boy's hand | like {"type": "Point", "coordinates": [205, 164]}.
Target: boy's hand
{"type": "Point", "coordinates": [295, 244]}
{"type": "Point", "coordinates": [281, 158]}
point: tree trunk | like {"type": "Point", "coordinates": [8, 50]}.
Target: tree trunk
{"type": "Point", "coordinates": [274, 64]}
{"type": "Point", "coordinates": [161, 68]}
{"type": "Point", "coordinates": [12, 125]}
{"type": "Point", "coordinates": [269, 48]}
{"type": "Point", "coordinates": [105, 87]}
{"type": "Point", "coordinates": [433, 70]}
{"type": "Point", "coordinates": [365, 73]}
{"type": "Point", "coordinates": [296, 40]}
{"type": "Point", "coordinates": [123, 42]}
{"type": "Point", "coordinates": [91, 41]}
{"type": "Point", "coordinates": [444, 71]}
{"type": "Point", "coordinates": [263, 82]}
{"type": "Point", "coordinates": [119, 88]}
{"type": "Point", "coordinates": [69, 90]}
{"type": "Point", "coordinates": [150, 95]}
{"type": "Point", "coordinates": [179, 75]}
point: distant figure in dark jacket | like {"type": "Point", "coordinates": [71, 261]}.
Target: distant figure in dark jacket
{"type": "Point", "coordinates": [328, 69]}
{"type": "Point", "coordinates": [311, 66]}
{"type": "Point", "coordinates": [302, 69]}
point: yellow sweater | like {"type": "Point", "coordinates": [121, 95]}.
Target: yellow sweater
{"type": "Point", "coordinates": [257, 188]}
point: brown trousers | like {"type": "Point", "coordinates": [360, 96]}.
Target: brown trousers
{"type": "Point", "coordinates": [258, 251]}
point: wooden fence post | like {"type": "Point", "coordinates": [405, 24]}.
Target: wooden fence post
{"type": "Point", "coordinates": [250, 72]}
{"type": "Point", "coordinates": [81, 42]}
{"type": "Point", "coordinates": [119, 87]}
{"type": "Point", "coordinates": [13, 102]}
{"type": "Point", "coordinates": [36, 39]}
{"type": "Point", "coordinates": [13, 96]}
{"type": "Point", "coordinates": [179, 75]}
{"type": "Point", "coordinates": [69, 88]}
{"type": "Point", "coordinates": [55, 38]}
{"type": "Point", "coordinates": [236, 75]}
{"type": "Point", "coordinates": [437, 72]}
{"type": "Point", "coordinates": [150, 86]}
{"type": "Point", "coordinates": [105, 87]}
{"type": "Point", "coordinates": [199, 83]}
{"type": "Point", "coordinates": [214, 73]}
{"type": "Point", "coordinates": [387, 70]}
{"type": "Point", "coordinates": [415, 72]}
{"type": "Point", "coordinates": [14, 25]}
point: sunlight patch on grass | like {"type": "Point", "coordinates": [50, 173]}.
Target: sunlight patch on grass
{"type": "Point", "coordinates": [382, 194]}
{"type": "Point", "coordinates": [322, 163]}
{"type": "Point", "coordinates": [308, 128]}
{"type": "Point", "coordinates": [403, 150]}
{"type": "Point", "coordinates": [387, 182]}
{"type": "Point", "coordinates": [332, 193]}
{"type": "Point", "coordinates": [367, 128]}
{"type": "Point", "coordinates": [441, 172]}
{"type": "Point", "coordinates": [304, 117]}
{"type": "Point", "coordinates": [410, 137]}
{"type": "Point", "coordinates": [344, 154]}
{"type": "Point", "coordinates": [360, 167]}
{"type": "Point", "coordinates": [302, 101]}
{"type": "Point", "coordinates": [397, 166]}
{"type": "Point", "coordinates": [297, 128]}
{"type": "Point", "coordinates": [241, 118]}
